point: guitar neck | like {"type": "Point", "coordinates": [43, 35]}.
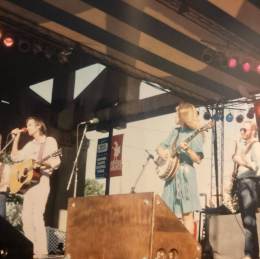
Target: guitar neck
{"type": "Point", "coordinates": [56, 153]}
{"type": "Point", "coordinates": [44, 159]}
{"type": "Point", "coordinates": [192, 136]}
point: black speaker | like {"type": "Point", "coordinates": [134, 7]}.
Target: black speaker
{"type": "Point", "coordinates": [13, 244]}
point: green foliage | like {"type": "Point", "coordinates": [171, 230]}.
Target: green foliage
{"type": "Point", "coordinates": [93, 187]}
{"type": "Point", "coordinates": [15, 198]}
{"type": "Point", "coordinates": [14, 210]}
{"type": "Point", "coordinates": [6, 158]}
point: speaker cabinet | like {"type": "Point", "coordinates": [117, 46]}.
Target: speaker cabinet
{"type": "Point", "coordinates": [13, 244]}
{"type": "Point", "coordinates": [226, 235]}
{"type": "Point", "coordinates": [129, 226]}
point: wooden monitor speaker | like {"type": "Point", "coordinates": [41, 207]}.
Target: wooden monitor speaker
{"type": "Point", "coordinates": [130, 226]}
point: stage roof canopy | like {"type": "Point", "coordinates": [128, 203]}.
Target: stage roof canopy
{"type": "Point", "coordinates": [183, 46]}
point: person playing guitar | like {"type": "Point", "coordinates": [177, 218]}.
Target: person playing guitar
{"type": "Point", "coordinates": [35, 198]}
{"type": "Point", "coordinates": [247, 156]}
{"type": "Point", "coordinates": [180, 192]}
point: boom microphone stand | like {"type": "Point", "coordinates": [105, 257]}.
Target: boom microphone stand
{"type": "Point", "coordinates": [74, 170]}
{"type": "Point", "coordinates": [6, 146]}
{"type": "Point", "coordinates": [150, 156]}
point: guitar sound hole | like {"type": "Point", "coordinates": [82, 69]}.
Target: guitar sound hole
{"type": "Point", "coordinates": [25, 172]}
{"type": "Point", "coordinates": [23, 177]}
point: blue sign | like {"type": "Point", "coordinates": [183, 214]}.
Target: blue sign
{"type": "Point", "coordinates": [101, 160]}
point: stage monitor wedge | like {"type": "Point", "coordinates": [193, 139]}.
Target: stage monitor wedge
{"type": "Point", "coordinates": [126, 226]}
{"type": "Point", "coordinates": [13, 244]}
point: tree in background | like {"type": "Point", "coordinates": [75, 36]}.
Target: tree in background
{"type": "Point", "coordinates": [93, 187]}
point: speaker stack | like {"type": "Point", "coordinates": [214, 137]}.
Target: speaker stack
{"type": "Point", "coordinates": [13, 244]}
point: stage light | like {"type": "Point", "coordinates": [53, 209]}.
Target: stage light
{"type": "Point", "coordinates": [239, 118]}
{"type": "Point", "coordinates": [232, 62]}
{"type": "Point", "coordinates": [229, 117]}
{"type": "Point", "coordinates": [62, 57]}
{"type": "Point", "coordinates": [208, 56]}
{"type": "Point", "coordinates": [37, 48]}
{"type": "Point", "coordinates": [48, 52]}
{"type": "Point", "coordinates": [246, 67]}
{"type": "Point", "coordinates": [216, 117]}
{"type": "Point", "coordinates": [207, 116]}
{"type": "Point", "coordinates": [258, 68]}
{"type": "Point", "coordinates": [8, 41]}
{"type": "Point", "coordinates": [24, 46]}
{"type": "Point", "coordinates": [251, 113]}
{"type": "Point", "coordinates": [221, 59]}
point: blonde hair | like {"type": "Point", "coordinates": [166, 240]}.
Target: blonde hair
{"type": "Point", "coordinates": [188, 115]}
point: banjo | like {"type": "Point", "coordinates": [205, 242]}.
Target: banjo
{"type": "Point", "coordinates": [167, 168]}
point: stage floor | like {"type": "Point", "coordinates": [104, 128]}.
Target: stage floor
{"type": "Point", "coordinates": [51, 257]}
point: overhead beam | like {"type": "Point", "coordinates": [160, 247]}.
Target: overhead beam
{"type": "Point", "coordinates": [140, 109]}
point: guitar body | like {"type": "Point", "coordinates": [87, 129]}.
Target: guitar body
{"type": "Point", "coordinates": [166, 169]}
{"type": "Point", "coordinates": [23, 176]}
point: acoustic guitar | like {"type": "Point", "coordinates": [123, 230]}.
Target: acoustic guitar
{"type": "Point", "coordinates": [26, 174]}
{"type": "Point", "coordinates": [167, 168]}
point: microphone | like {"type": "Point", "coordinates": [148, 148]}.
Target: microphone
{"type": "Point", "coordinates": [149, 154]}
{"type": "Point", "coordinates": [92, 121]}
{"type": "Point", "coordinates": [22, 130]}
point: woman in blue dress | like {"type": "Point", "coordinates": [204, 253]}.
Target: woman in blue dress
{"type": "Point", "coordinates": [180, 193]}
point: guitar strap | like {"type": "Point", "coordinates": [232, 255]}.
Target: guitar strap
{"type": "Point", "coordinates": [40, 154]}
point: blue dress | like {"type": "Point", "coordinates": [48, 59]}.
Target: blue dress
{"type": "Point", "coordinates": [180, 193]}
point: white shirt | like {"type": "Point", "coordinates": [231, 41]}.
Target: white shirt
{"type": "Point", "coordinates": [252, 158]}
{"type": "Point", "coordinates": [32, 148]}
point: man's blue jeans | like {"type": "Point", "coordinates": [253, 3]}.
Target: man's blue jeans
{"type": "Point", "coordinates": [248, 200]}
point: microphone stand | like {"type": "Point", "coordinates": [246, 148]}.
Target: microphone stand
{"type": "Point", "coordinates": [6, 146]}
{"type": "Point", "coordinates": [74, 170]}
{"type": "Point", "coordinates": [150, 156]}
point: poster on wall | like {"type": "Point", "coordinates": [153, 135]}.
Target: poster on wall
{"type": "Point", "coordinates": [101, 160]}
{"type": "Point", "coordinates": [116, 156]}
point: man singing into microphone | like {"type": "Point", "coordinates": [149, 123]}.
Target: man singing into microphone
{"type": "Point", "coordinates": [35, 198]}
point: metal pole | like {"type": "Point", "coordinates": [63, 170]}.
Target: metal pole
{"type": "Point", "coordinates": [73, 171]}
{"type": "Point", "coordinates": [110, 136]}
{"type": "Point", "coordinates": [216, 161]}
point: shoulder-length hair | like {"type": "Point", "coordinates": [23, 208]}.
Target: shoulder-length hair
{"type": "Point", "coordinates": [39, 122]}
{"type": "Point", "coordinates": [188, 115]}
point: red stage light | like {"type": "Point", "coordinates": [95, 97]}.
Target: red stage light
{"type": "Point", "coordinates": [8, 41]}
{"type": "Point", "coordinates": [258, 69]}
{"type": "Point", "coordinates": [246, 67]}
{"type": "Point", "coordinates": [232, 62]}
